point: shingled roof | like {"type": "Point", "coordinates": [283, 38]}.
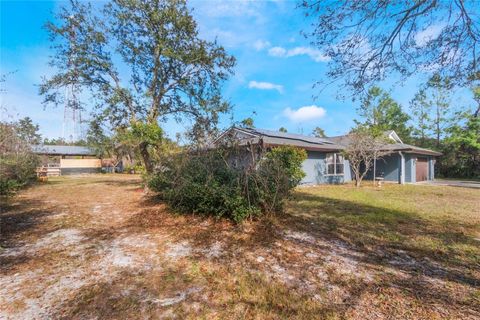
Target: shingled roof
{"type": "Point", "coordinates": [276, 138]}
{"type": "Point", "coordinates": [397, 146]}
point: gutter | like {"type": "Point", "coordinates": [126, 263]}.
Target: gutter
{"type": "Point", "coordinates": [402, 167]}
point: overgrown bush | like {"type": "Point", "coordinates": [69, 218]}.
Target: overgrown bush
{"type": "Point", "coordinates": [17, 162]}
{"type": "Point", "coordinates": [235, 183]}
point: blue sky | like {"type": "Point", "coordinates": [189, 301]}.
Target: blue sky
{"type": "Point", "coordinates": [276, 66]}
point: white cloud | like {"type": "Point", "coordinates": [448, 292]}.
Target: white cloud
{"type": "Point", "coordinates": [314, 54]}
{"type": "Point", "coordinates": [265, 86]}
{"type": "Point", "coordinates": [215, 9]}
{"type": "Point", "coordinates": [277, 52]}
{"type": "Point", "coordinates": [305, 113]}
{"type": "Point", "coordinates": [431, 33]}
{"type": "Point", "coordinates": [260, 45]}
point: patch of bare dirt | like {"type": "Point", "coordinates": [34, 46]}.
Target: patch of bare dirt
{"type": "Point", "coordinates": [97, 248]}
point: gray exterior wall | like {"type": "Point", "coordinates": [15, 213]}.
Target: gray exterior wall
{"type": "Point", "coordinates": [388, 168]}
{"type": "Point", "coordinates": [315, 170]}
{"type": "Point", "coordinates": [410, 170]}
{"type": "Point", "coordinates": [67, 171]}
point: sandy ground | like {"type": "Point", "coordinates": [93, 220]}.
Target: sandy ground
{"type": "Point", "coordinates": [96, 247]}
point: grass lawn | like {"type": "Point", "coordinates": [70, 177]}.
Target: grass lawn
{"type": "Point", "coordinates": [97, 247]}
{"type": "Point", "coordinates": [441, 223]}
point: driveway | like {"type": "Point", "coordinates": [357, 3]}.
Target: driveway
{"type": "Point", "coordinates": [453, 183]}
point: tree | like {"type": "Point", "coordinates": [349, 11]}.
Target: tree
{"type": "Point", "coordinates": [421, 109]}
{"type": "Point", "coordinates": [282, 129]}
{"type": "Point", "coordinates": [142, 62]}
{"type": "Point", "coordinates": [441, 104]}
{"type": "Point", "coordinates": [381, 113]}
{"type": "Point", "coordinates": [362, 151]}
{"type": "Point", "coordinates": [476, 97]}
{"type": "Point", "coordinates": [27, 131]}
{"type": "Point", "coordinates": [62, 142]}
{"type": "Point", "coordinates": [431, 109]}
{"type": "Point", "coordinates": [461, 147]}
{"type": "Point", "coordinates": [108, 146]}
{"type": "Point", "coordinates": [247, 123]}
{"type": "Point", "coordinates": [17, 161]}
{"type": "Point", "coordinates": [319, 132]}
{"type": "Point", "coordinates": [368, 41]}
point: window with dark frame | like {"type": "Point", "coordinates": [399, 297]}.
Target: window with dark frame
{"type": "Point", "coordinates": [335, 164]}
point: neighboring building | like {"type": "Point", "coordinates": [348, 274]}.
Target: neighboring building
{"type": "Point", "coordinates": [67, 160]}
{"type": "Point", "coordinates": [325, 163]}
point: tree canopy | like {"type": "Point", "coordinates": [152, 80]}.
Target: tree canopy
{"type": "Point", "coordinates": [142, 62]}
{"type": "Point", "coordinates": [247, 123]}
{"type": "Point", "coordinates": [380, 112]}
{"type": "Point", "coordinates": [28, 131]}
{"type": "Point", "coordinates": [368, 41]}
{"type": "Point", "coordinates": [432, 110]}
{"type": "Point", "coordinates": [319, 132]}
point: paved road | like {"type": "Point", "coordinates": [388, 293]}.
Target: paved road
{"type": "Point", "coordinates": [453, 183]}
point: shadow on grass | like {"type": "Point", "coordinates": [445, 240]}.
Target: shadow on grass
{"type": "Point", "coordinates": [383, 236]}
{"type": "Point", "coordinates": [203, 231]}
{"type": "Point", "coordinates": [18, 218]}
{"type": "Point", "coordinates": [386, 236]}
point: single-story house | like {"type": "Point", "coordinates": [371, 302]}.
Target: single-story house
{"type": "Point", "coordinates": [66, 160]}
{"type": "Point", "coordinates": [326, 164]}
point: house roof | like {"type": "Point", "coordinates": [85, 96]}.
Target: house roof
{"type": "Point", "coordinates": [408, 148]}
{"type": "Point", "coordinates": [56, 150]}
{"type": "Point", "coordinates": [275, 138]}
{"type": "Point", "coordinates": [397, 146]}
{"type": "Point", "coordinates": [287, 136]}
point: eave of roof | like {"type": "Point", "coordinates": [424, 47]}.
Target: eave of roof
{"type": "Point", "coordinates": [411, 149]}
{"type": "Point", "coordinates": [345, 141]}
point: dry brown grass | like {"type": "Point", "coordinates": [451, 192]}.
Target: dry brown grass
{"type": "Point", "coordinates": [96, 247]}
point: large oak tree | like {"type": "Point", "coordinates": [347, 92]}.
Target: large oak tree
{"type": "Point", "coordinates": [142, 62]}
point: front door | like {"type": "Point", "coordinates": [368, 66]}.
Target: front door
{"type": "Point", "coordinates": [422, 169]}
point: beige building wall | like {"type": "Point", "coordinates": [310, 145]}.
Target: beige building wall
{"type": "Point", "coordinates": [80, 163]}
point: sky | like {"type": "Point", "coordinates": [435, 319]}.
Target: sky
{"type": "Point", "coordinates": [273, 81]}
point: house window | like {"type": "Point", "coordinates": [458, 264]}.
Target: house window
{"type": "Point", "coordinates": [335, 165]}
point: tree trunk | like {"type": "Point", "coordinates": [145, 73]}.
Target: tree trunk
{"type": "Point", "coordinates": [147, 162]}
{"type": "Point", "coordinates": [438, 127]}
{"type": "Point", "coordinates": [357, 178]}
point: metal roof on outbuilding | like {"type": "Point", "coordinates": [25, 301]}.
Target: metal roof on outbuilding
{"type": "Point", "coordinates": [56, 150]}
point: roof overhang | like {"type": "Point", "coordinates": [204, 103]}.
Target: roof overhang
{"type": "Point", "coordinates": [61, 150]}
{"type": "Point", "coordinates": [423, 152]}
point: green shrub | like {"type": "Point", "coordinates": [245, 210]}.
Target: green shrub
{"type": "Point", "coordinates": [212, 183]}
{"type": "Point", "coordinates": [17, 162]}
